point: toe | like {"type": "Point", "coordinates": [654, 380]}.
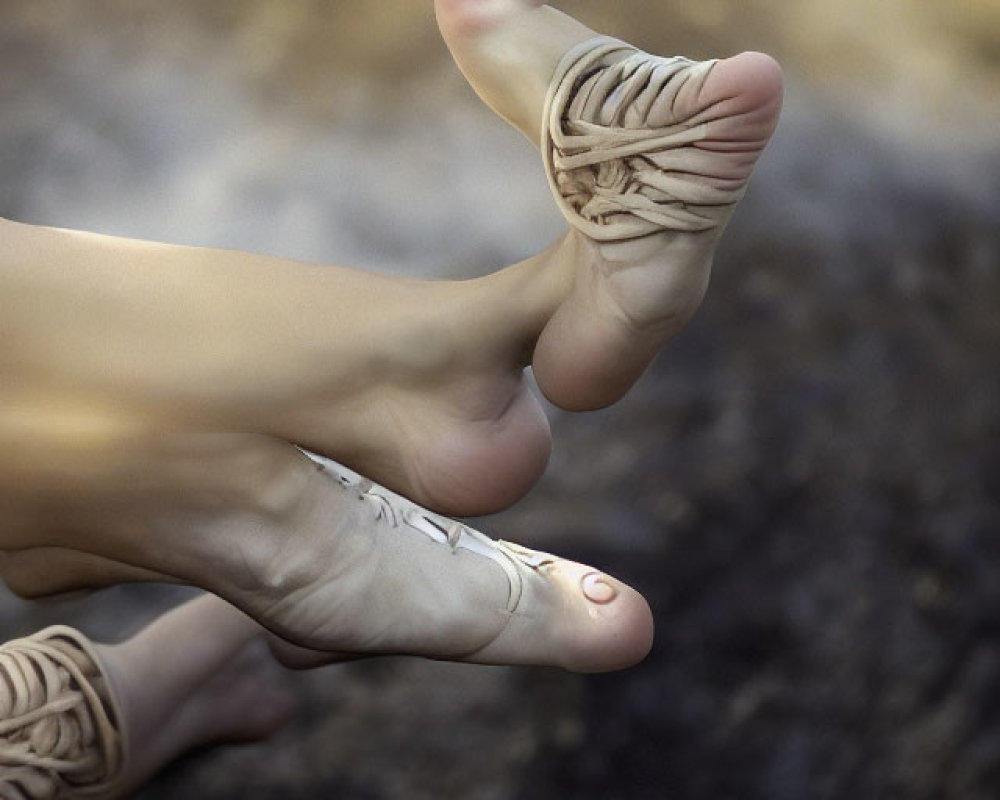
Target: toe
{"type": "Point", "coordinates": [607, 624]}
{"type": "Point", "coordinates": [755, 77]}
{"type": "Point", "coordinates": [749, 84]}
{"type": "Point", "coordinates": [575, 617]}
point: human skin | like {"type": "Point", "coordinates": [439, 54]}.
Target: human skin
{"type": "Point", "coordinates": [199, 675]}
{"type": "Point", "coordinates": [418, 384]}
{"type": "Point", "coordinates": [150, 391]}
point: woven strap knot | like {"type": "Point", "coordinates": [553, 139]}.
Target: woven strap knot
{"type": "Point", "coordinates": [618, 166]}
{"type": "Point", "coordinates": [58, 728]}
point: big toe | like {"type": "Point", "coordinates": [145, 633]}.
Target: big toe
{"type": "Point", "coordinates": [573, 616]}
{"type": "Point", "coordinates": [611, 623]}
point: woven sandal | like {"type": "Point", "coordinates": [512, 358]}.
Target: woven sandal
{"type": "Point", "coordinates": [61, 730]}
{"type": "Point", "coordinates": [615, 171]}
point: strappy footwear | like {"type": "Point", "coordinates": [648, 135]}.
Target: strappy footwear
{"type": "Point", "coordinates": [61, 730]}
{"type": "Point", "coordinates": [616, 172]}
{"type": "Point", "coordinates": [397, 510]}
{"type": "Point", "coordinates": [557, 612]}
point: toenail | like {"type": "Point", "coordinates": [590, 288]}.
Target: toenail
{"type": "Point", "coordinates": [597, 589]}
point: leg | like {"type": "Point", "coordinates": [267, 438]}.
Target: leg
{"type": "Point", "coordinates": [49, 573]}
{"type": "Point", "coordinates": [198, 675]}
{"type": "Point", "coordinates": [647, 158]}
{"type": "Point", "coordinates": [418, 384]}
{"type": "Point", "coordinates": [319, 557]}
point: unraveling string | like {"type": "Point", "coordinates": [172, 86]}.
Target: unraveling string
{"type": "Point", "coordinates": [616, 169]}
{"type": "Point", "coordinates": [58, 735]}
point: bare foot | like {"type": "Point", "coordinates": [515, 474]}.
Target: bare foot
{"type": "Point", "coordinates": [199, 675]}
{"type": "Point", "coordinates": [647, 158]}
{"type": "Point", "coordinates": [328, 561]}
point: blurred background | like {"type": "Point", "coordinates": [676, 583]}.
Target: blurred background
{"type": "Point", "coordinates": [807, 483]}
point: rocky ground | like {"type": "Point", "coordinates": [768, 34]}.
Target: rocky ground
{"type": "Point", "coordinates": [806, 485]}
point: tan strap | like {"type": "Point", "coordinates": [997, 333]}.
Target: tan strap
{"type": "Point", "coordinates": [397, 510]}
{"type": "Point", "coordinates": [617, 170]}
{"type": "Point", "coordinates": [60, 728]}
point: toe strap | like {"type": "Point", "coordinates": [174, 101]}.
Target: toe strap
{"type": "Point", "coordinates": [395, 509]}
{"type": "Point", "coordinates": [617, 169]}
{"type": "Point", "coordinates": [60, 731]}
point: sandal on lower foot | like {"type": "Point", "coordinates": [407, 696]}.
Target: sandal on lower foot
{"type": "Point", "coordinates": [617, 168]}
{"type": "Point", "coordinates": [61, 729]}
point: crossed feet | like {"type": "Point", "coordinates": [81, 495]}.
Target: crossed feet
{"type": "Point", "coordinates": [647, 158]}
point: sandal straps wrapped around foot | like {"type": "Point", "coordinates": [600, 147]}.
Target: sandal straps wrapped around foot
{"type": "Point", "coordinates": [617, 169]}
{"type": "Point", "coordinates": [398, 510]}
{"type": "Point", "coordinates": [61, 731]}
